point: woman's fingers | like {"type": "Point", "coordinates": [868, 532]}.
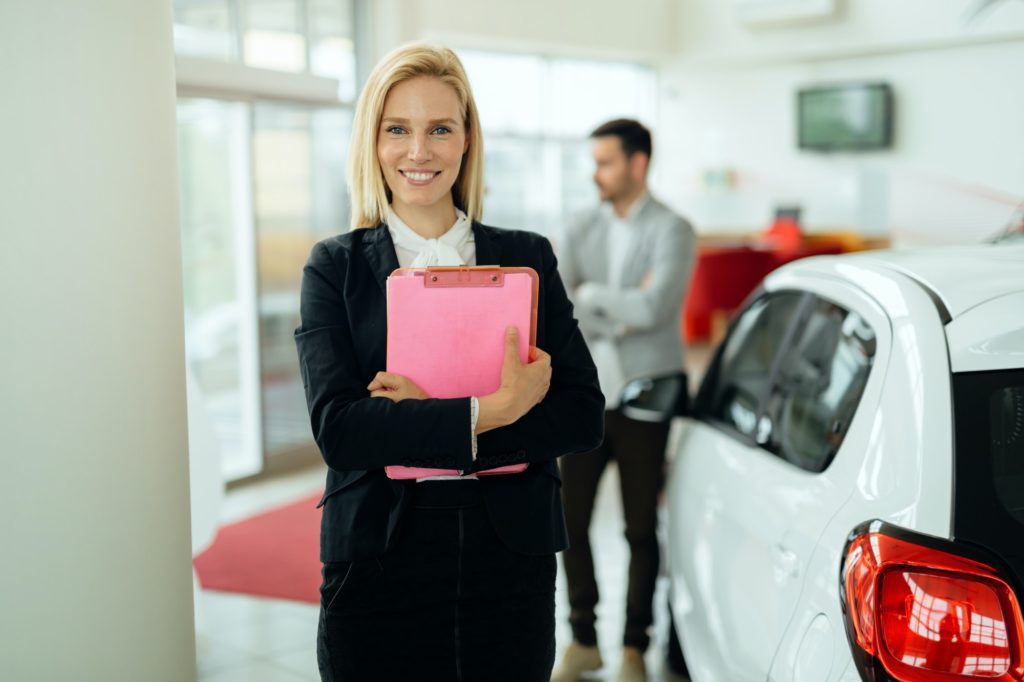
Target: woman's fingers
{"type": "Point", "coordinates": [394, 386]}
{"type": "Point", "coordinates": [384, 380]}
{"type": "Point", "coordinates": [511, 346]}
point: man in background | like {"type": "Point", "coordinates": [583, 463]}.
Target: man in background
{"type": "Point", "coordinates": [626, 265]}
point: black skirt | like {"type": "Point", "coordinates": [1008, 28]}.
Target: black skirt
{"type": "Point", "coordinates": [447, 602]}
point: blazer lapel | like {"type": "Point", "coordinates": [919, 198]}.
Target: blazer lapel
{"type": "Point", "coordinates": [488, 245]}
{"type": "Point", "coordinates": [379, 251]}
{"type": "Point", "coordinates": [594, 252]}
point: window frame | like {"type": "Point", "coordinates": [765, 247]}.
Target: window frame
{"type": "Point", "coordinates": [808, 301]}
{"type": "Point", "coordinates": [233, 80]}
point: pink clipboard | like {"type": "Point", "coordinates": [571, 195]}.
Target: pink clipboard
{"type": "Point", "coordinates": [446, 332]}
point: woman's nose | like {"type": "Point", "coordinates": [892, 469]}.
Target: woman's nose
{"type": "Point", "coordinates": [419, 149]}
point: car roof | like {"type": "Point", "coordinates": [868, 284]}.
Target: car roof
{"type": "Point", "coordinates": [961, 277]}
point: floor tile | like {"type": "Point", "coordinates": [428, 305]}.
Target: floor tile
{"type": "Point", "coordinates": [269, 635]}
{"type": "Point", "coordinates": [302, 661]}
{"type": "Point", "coordinates": [257, 671]}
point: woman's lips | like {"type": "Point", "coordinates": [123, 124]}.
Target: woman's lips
{"type": "Point", "coordinates": [419, 177]}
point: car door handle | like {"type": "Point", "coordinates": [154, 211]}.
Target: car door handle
{"type": "Point", "coordinates": [786, 561]}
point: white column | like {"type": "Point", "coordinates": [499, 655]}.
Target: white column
{"type": "Point", "coordinates": [95, 580]}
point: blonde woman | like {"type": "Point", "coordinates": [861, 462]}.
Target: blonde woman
{"type": "Point", "coordinates": [434, 579]}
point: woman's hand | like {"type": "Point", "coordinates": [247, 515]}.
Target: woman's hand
{"type": "Point", "coordinates": [522, 386]}
{"type": "Point", "coordinates": [395, 386]}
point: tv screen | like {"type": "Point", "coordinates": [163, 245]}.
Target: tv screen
{"type": "Point", "coordinates": [845, 117]}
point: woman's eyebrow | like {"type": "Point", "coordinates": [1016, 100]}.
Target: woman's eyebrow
{"type": "Point", "coordinates": [405, 121]}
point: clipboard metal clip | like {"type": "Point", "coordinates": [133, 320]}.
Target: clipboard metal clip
{"type": "Point", "coordinates": [463, 277]}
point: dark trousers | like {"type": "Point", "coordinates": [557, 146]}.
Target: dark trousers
{"type": "Point", "coordinates": [447, 602]}
{"type": "Point", "coordinates": [639, 450]}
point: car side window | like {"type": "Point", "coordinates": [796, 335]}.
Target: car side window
{"type": "Point", "coordinates": [737, 381]}
{"type": "Point", "coordinates": [817, 385]}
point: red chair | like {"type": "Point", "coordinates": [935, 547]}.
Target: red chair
{"type": "Point", "coordinates": [722, 278]}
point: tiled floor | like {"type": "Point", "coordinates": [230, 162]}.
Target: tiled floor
{"type": "Point", "coordinates": [252, 639]}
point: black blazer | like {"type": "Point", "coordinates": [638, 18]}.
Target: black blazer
{"type": "Point", "coordinates": [341, 342]}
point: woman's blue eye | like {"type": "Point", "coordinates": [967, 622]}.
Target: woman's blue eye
{"type": "Point", "coordinates": [395, 130]}
{"type": "Point", "coordinates": [442, 130]}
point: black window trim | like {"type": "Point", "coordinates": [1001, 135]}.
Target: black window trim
{"type": "Point", "coordinates": [701, 399]}
{"type": "Point", "coordinates": [808, 300]}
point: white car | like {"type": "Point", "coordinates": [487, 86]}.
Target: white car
{"type": "Point", "coordinates": [846, 501]}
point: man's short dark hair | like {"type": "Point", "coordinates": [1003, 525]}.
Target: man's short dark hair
{"type": "Point", "coordinates": [632, 134]}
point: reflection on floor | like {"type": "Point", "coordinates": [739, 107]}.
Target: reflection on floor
{"type": "Point", "coordinates": [253, 639]}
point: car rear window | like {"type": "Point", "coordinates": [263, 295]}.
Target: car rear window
{"type": "Point", "coordinates": [1006, 424]}
{"type": "Point", "coordinates": [989, 484]}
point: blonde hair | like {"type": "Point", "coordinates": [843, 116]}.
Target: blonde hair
{"type": "Point", "coordinates": [370, 194]}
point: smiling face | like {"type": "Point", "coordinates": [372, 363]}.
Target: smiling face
{"type": "Point", "coordinates": [420, 146]}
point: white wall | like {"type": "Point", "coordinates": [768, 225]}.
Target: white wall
{"type": "Point", "coordinates": [95, 579]}
{"type": "Point", "coordinates": [956, 171]}
{"type": "Point", "coordinates": [709, 31]}
{"type": "Point", "coordinates": [643, 29]}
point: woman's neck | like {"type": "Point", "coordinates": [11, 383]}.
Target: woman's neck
{"type": "Point", "coordinates": [429, 222]}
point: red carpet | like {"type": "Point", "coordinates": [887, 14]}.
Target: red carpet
{"type": "Point", "coordinates": [273, 554]}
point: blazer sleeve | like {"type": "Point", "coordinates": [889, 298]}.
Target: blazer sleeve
{"type": "Point", "coordinates": [571, 416]}
{"type": "Point", "coordinates": [568, 268]}
{"type": "Point", "coordinates": [653, 305]}
{"type": "Point", "coordinates": [353, 430]}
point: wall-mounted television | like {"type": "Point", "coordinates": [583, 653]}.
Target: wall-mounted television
{"type": "Point", "coordinates": [845, 117]}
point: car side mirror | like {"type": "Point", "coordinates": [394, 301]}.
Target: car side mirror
{"type": "Point", "coordinates": [656, 399]}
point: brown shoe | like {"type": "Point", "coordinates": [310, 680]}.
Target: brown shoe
{"type": "Point", "coordinates": [576, 660]}
{"type": "Point", "coordinates": [633, 668]}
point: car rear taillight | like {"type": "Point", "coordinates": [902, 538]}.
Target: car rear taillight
{"type": "Point", "coordinates": [919, 610]}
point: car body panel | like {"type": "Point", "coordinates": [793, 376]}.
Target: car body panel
{"type": "Point", "coordinates": [904, 471]}
{"type": "Point", "coordinates": [988, 336]}
{"type": "Point", "coordinates": [755, 543]}
{"type": "Point", "coordinates": [961, 276]}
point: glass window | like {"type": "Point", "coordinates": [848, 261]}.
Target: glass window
{"type": "Point", "coordinates": [537, 114]}
{"type": "Point", "coordinates": [260, 183]}
{"type": "Point", "coordinates": [298, 160]}
{"type": "Point", "coordinates": [1006, 422]}
{"type": "Point", "coordinates": [585, 94]}
{"type": "Point", "coordinates": [218, 277]}
{"type": "Point", "coordinates": [817, 385]}
{"type": "Point", "coordinates": [515, 171]}
{"type": "Point", "coordinates": [274, 35]}
{"type": "Point", "coordinates": [331, 48]}
{"type": "Point", "coordinates": [295, 36]}
{"type": "Point", "coordinates": [577, 171]}
{"type": "Point", "coordinates": [508, 90]}
{"type": "Point", "coordinates": [988, 496]}
{"type": "Point", "coordinates": [737, 382]}
{"type": "Point", "coordinates": [205, 28]}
